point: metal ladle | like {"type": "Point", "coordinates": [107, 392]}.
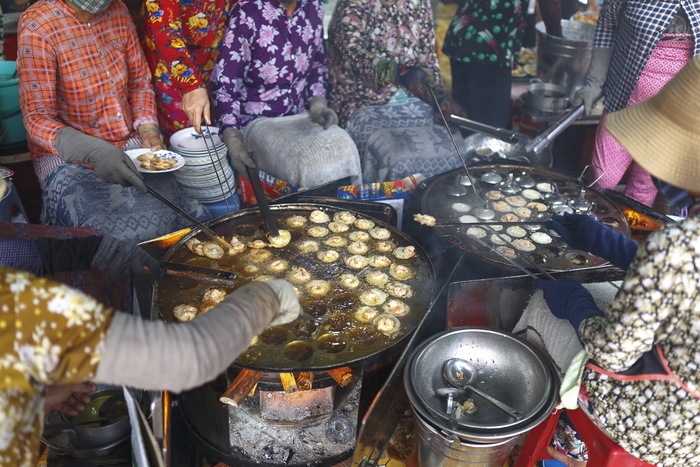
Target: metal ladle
{"type": "Point", "coordinates": [460, 373]}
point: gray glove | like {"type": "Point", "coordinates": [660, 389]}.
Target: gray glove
{"type": "Point", "coordinates": [320, 112]}
{"type": "Point", "coordinates": [592, 89]}
{"type": "Point", "coordinates": [111, 163]}
{"type": "Point", "coordinates": [182, 356]}
{"type": "Point", "coordinates": [289, 302]}
{"type": "Point", "coordinates": [121, 258]}
{"type": "Point", "coordinates": [237, 151]}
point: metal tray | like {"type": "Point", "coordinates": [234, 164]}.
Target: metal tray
{"type": "Point", "coordinates": [556, 256]}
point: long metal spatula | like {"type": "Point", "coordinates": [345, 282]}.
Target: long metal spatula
{"type": "Point", "coordinates": [541, 141]}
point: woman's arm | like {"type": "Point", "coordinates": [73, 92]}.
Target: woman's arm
{"type": "Point", "coordinates": [182, 356]}
{"type": "Point", "coordinates": [660, 286]}
{"type": "Point", "coordinates": [228, 76]}
{"type": "Point", "coordinates": [141, 95]}
{"type": "Point", "coordinates": [37, 72]}
{"type": "Point", "coordinates": [162, 24]}
{"type": "Point", "coordinates": [317, 80]}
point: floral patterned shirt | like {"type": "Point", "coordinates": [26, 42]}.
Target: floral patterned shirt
{"type": "Point", "coordinates": [659, 303]}
{"type": "Point", "coordinates": [271, 64]}
{"type": "Point", "coordinates": [363, 31]}
{"type": "Point", "coordinates": [485, 31]}
{"type": "Point", "coordinates": [182, 39]}
{"type": "Point", "coordinates": [49, 334]}
{"type": "Point", "coordinates": [181, 42]}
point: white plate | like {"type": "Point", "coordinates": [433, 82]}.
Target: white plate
{"type": "Point", "coordinates": [190, 141]}
{"type": "Point", "coordinates": [134, 153]}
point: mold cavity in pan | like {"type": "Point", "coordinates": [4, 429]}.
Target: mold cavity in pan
{"type": "Point", "coordinates": [316, 309]}
{"type": "Point", "coordinates": [551, 252]}
{"type": "Point", "coordinates": [609, 221]}
{"type": "Point", "coordinates": [274, 335]}
{"type": "Point", "coordinates": [331, 343]}
{"type": "Point", "coordinates": [298, 351]}
{"type": "Point", "coordinates": [246, 230]}
{"type": "Point", "coordinates": [304, 328]}
{"type": "Point", "coordinates": [537, 258]}
{"type": "Point", "coordinates": [577, 259]}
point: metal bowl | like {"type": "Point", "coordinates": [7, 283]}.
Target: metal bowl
{"type": "Point", "coordinates": [509, 368]}
{"type": "Point", "coordinates": [546, 97]}
{"type": "Point", "coordinates": [487, 149]}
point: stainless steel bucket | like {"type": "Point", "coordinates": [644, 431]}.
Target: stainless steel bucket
{"type": "Point", "coordinates": [564, 60]}
{"type": "Point", "coordinates": [440, 449]}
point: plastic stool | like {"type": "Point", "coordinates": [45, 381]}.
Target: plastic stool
{"type": "Point", "coordinates": [602, 451]}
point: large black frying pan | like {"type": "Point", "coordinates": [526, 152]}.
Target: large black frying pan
{"type": "Point", "coordinates": [333, 312]}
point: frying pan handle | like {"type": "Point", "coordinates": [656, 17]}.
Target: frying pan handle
{"type": "Point", "coordinates": [538, 144]}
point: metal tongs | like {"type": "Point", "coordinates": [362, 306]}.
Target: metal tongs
{"type": "Point", "coordinates": [210, 146]}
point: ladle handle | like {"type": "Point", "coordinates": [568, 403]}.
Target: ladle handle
{"type": "Point", "coordinates": [508, 136]}
{"type": "Point", "coordinates": [506, 408]}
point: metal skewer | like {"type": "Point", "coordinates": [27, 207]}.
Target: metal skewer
{"type": "Point", "coordinates": [194, 221]}
{"type": "Point", "coordinates": [454, 142]}
{"type": "Point", "coordinates": [485, 212]}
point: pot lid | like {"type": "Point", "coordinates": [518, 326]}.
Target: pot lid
{"type": "Point", "coordinates": [508, 368]}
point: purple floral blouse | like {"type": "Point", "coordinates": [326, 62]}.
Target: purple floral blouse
{"type": "Point", "coordinates": [362, 32]}
{"type": "Point", "coordinates": [270, 64]}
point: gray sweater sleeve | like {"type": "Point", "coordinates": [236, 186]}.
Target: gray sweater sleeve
{"type": "Point", "coordinates": [154, 355]}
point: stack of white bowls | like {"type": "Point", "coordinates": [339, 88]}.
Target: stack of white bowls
{"type": "Point", "coordinates": [206, 175]}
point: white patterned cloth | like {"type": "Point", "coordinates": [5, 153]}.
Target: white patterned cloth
{"type": "Point", "coordinates": [301, 152]}
{"type": "Point", "coordinates": [539, 326]}
{"type": "Point", "coordinates": [398, 140]}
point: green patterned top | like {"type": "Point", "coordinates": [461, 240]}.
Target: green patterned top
{"type": "Point", "coordinates": [485, 31]}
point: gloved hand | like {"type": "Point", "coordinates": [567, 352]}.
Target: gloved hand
{"type": "Point", "coordinates": [585, 233]}
{"type": "Point", "coordinates": [416, 80]}
{"type": "Point", "coordinates": [448, 107]}
{"type": "Point", "coordinates": [592, 88]}
{"type": "Point", "coordinates": [567, 299]}
{"type": "Point", "coordinates": [122, 258]}
{"type": "Point", "coordinates": [237, 151]}
{"type": "Point", "coordinates": [289, 302]}
{"type": "Point", "coordinates": [111, 164]}
{"type": "Point", "coordinates": [320, 112]}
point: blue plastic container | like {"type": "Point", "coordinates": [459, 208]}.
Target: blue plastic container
{"type": "Point", "coordinates": [10, 111]}
{"type": "Point", "coordinates": [219, 208]}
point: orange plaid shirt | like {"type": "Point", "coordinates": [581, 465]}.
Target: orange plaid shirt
{"type": "Point", "coordinates": [91, 76]}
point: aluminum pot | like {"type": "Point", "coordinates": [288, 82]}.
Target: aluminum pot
{"type": "Point", "coordinates": [509, 369]}
{"type": "Point", "coordinates": [545, 97]}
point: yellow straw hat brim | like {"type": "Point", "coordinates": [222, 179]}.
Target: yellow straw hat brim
{"type": "Point", "coordinates": [662, 134]}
